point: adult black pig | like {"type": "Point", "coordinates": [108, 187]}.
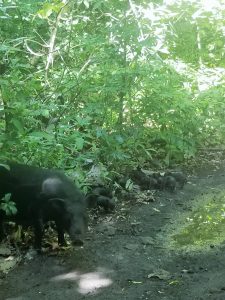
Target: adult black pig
{"type": "Point", "coordinates": [42, 195]}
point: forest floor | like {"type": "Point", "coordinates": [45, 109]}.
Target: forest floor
{"type": "Point", "coordinates": [158, 245]}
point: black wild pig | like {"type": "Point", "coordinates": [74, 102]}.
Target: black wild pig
{"type": "Point", "coordinates": [43, 195]}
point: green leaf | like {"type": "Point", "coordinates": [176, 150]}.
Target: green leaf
{"type": "Point", "coordinates": [129, 185]}
{"type": "Point", "coordinates": [45, 113]}
{"type": "Point", "coordinates": [13, 210]}
{"type": "Point", "coordinates": [42, 135]}
{"type": "Point", "coordinates": [119, 139]}
{"type": "Point", "coordinates": [86, 3]}
{"type": "Point", "coordinates": [18, 125]}
{"type": "Point", "coordinates": [79, 143]}
{"type": "Point", "coordinates": [5, 166]}
{"type": "Point", "coordinates": [46, 11]}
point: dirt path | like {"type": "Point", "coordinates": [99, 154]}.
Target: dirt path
{"type": "Point", "coordinates": [126, 257]}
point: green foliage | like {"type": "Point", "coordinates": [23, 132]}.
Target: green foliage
{"type": "Point", "coordinates": [8, 206]}
{"type": "Point", "coordinates": [111, 82]}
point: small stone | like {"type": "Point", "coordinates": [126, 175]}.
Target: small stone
{"type": "Point", "coordinates": [30, 254]}
{"type": "Point", "coordinates": [188, 271]}
{"type": "Point", "coordinates": [131, 246]}
{"type": "Point", "coordinates": [107, 229]}
{"type": "Point", "coordinates": [160, 274]}
{"type": "Point", "coordinates": [111, 230]}
{"type": "Point", "coordinates": [147, 240]}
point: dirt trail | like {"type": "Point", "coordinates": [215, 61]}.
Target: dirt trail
{"type": "Point", "coordinates": [125, 257]}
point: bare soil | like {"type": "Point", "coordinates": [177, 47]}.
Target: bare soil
{"type": "Point", "coordinates": [125, 256]}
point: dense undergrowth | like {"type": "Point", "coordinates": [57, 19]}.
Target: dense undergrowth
{"type": "Point", "coordinates": [110, 83]}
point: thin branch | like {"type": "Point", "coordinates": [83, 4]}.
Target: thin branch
{"type": "Point", "coordinates": [84, 67]}
{"type": "Point", "coordinates": [31, 51]}
{"type": "Point", "coordinates": [50, 57]}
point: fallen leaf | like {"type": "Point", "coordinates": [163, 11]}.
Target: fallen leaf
{"type": "Point", "coordinates": [8, 264]}
{"type": "Point", "coordinates": [156, 209]}
{"type": "Point", "coordinates": [160, 274]}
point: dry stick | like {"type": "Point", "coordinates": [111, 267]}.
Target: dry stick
{"type": "Point", "coordinates": [50, 57]}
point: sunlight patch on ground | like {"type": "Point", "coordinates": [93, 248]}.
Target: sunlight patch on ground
{"type": "Point", "coordinates": [68, 276]}
{"type": "Point", "coordinates": [201, 228]}
{"type": "Point", "coordinates": [88, 283]}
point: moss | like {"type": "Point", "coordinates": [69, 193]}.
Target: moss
{"type": "Point", "coordinates": [204, 226]}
